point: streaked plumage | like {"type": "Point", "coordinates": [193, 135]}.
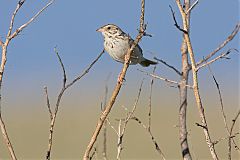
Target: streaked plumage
{"type": "Point", "coordinates": [116, 43]}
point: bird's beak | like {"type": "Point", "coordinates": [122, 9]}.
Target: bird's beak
{"type": "Point", "coordinates": [100, 29]}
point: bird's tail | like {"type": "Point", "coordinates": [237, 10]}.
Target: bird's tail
{"type": "Point", "coordinates": [146, 62]}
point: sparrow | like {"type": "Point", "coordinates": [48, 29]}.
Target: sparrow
{"type": "Point", "coordinates": [117, 42]}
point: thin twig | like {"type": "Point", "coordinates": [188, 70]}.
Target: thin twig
{"type": "Point", "coordinates": [19, 5]}
{"type": "Point", "coordinates": [175, 21]}
{"type": "Point", "coordinates": [221, 56]}
{"type": "Point", "coordinates": [220, 99]}
{"type": "Point", "coordinates": [152, 137]}
{"type": "Point", "coordinates": [62, 66]}
{"type": "Point", "coordinates": [48, 103]}
{"type": "Point", "coordinates": [94, 152]}
{"type": "Point", "coordinates": [229, 38]}
{"type": "Point", "coordinates": [64, 88]}
{"type": "Point", "coordinates": [164, 79]}
{"type": "Point", "coordinates": [192, 6]}
{"type": "Point", "coordinates": [109, 123]}
{"type": "Point", "coordinates": [229, 139]}
{"type": "Point", "coordinates": [118, 85]}
{"type": "Point", "coordinates": [221, 139]}
{"type": "Point", "coordinates": [7, 139]}
{"type": "Point", "coordinates": [150, 101]}
{"type": "Point", "coordinates": [119, 140]}
{"type": "Point", "coordinates": [85, 71]}
{"type": "Point", "coordinates": [104, 152]}
{"type": "Point", "coordinates": [30, 21]}
{"type": "Point", "coordinates": [168, 65]}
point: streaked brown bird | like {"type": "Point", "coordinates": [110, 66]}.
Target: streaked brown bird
{"type": "Point", "coordinates": [117, 42]}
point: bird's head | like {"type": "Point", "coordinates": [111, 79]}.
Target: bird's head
{"type": "Point", "coordinates": [110, 30]}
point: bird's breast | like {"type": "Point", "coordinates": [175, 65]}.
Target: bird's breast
{"type": "Point", "coordinates": [116, 48]}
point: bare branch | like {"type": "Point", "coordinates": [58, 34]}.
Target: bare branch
{"type": "Point", "coordinates": [229, 38]}
{"type": "Point", "coordinates": [85, 71]}
{"type": "Point", "coordinates": [104, 152]}
{"type": "Point", "coordinates": [64, 88]}
{"type": "Point", "coordinates": [221, 56]}
{"type": "Point", "coordinates": [231, 131]}
{"type": "Point", "coordinates": [183, 89]}
{"type": "Point", "coordinates": [200, 125]}
{"type": "Point", "coordinates": [48, 103]}
{"type": "Point", "coordinates": [192, 6]}
{"type": "Point", "coordinates": [168, 65]}
{"type": "Point", "coordinates": [220, 99]}
{"type": "Point", "coordinates": [152, 137]}
{"type": "Point", "coordinates": [142, 24]}
{"type": "Point", "coordinates": [109, 123]}
{"type": "Point", "coordinates": [150, 101]}
{"type": "Point", "coordinates": [120, 139]}
{"type": "Point", "coordinates": [63, 68]}
{"type": "Point", "coordinates": [19, 5]}
{"type": "Point", "coordinates": [6, 139]}
{"type": "Point", "coordinates": [30, 21]}
{"type": "Point", "coordinates": [175, 22]}
{"type": "Point", "coordinates": [221, 139]}
{"type": "Point", "coordinates": [164, 79]}
{"type": "Point", "coordinates": [118, 85]}
{"type": "Point", "coordinates": [94, 152]}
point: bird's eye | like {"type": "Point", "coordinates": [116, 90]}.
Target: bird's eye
{"type": "Point", "coordinates": [108, 28]}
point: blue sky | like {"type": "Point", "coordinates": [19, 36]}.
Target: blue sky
{"type": "Point", "coordinates": [71, 25]}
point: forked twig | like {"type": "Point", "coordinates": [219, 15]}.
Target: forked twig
{"type": "Point", "coordinates": [221, 56]}
{"type": "Point", "coordinates": [65, 86]}
{"type": "Point", "coordinates": [19, 5]}
{"type": "Point", "coordinates": [14, 34]}
{"type": "Point", "coordinates": [229, 38]}
{"type": "Point", "coordinates": [175, 21]}
{"type": "Point", "coordinates": [4, 46]}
